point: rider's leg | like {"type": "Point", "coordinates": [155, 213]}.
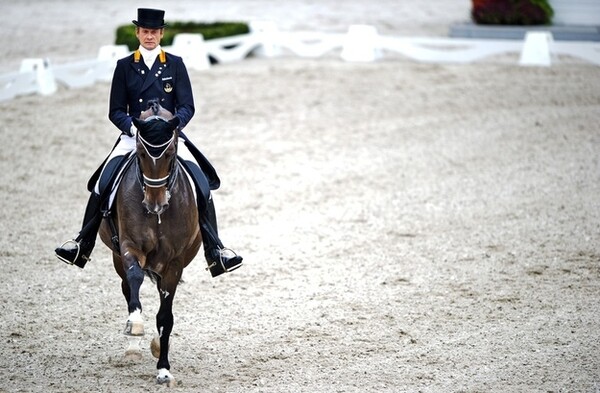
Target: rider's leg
{"type": "Point", "coordinates": [219, 258]}
{"type": "Point", "coordinates": [77, 251]}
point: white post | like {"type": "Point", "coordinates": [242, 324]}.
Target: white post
{"type": "Point", "coordinates": [267, 31]}
{"type": "Point", "coordinates": [46, 84]}
{"type": "Point", "coordinates": [536, 49]}
{"type": "Point", "coordinates": [112, 52]}
{"type": "Point", "coordinates": [192, 49]}
{"type": "Point", "coordinates": [361, 44]}
{"type": "Point", "coordinates": [107, 60]}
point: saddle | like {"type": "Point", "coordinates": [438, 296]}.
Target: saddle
{"type": "Point", "coordinates": [108, 190]}
{"type": "Point", "coordinates": [209, 171]}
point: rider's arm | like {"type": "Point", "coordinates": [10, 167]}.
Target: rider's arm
{"type": "Point", "coordinates": [184, 107]}
{"type": "Point", "coordinates": [118, 108]}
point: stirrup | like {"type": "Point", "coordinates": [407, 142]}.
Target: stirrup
{"type": "Point", "coordinates": [219, 267]}
{"type": "Point", "coordinates": [77, 254]}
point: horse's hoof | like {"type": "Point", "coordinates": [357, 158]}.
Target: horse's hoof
{"type": "Point", "coordinates": [155, 346]}
{"type": "Point", "coordinates": [164, 377]}
{"type": "Point", "coordinates": [133, 356]}
{"type": "Point", "coordinates": [134, 328]}
{"type": "Point", "coordinates": [134, 351]}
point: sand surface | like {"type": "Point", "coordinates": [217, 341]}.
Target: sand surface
{"type": "Point", "coordinates": [406, 227]}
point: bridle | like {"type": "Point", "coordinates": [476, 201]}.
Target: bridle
{"type": "Point", "coordinates": [168, 180]}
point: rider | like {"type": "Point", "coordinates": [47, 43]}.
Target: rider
{"type": "Point", "coordinates": [140, 79]}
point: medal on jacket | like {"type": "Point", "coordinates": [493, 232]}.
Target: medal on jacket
{"type": "Point", "coordinates": [168, 87]}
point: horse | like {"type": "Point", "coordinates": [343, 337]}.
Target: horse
{"type": "Point", "coordinates": [153, 230]}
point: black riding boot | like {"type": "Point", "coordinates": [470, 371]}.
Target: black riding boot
{"type": "Point", "coordinates": [220, 260]}
{"type": "Point", "coordinates": [77, 251]}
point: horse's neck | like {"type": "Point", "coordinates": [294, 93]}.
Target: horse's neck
{"type": "Point", "coordinates": [184, 181]}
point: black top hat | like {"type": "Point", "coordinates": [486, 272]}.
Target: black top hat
{"type": "Point", "coordinates": [150, 18]}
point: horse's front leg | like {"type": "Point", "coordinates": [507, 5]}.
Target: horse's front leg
{"type": "Point", "coordinates": [164, 324]}
{"type": "Point", "coordinates": [133, 278]}
{"type": "Point", "coordinates": [134, 328]}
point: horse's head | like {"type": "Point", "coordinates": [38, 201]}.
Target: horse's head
{"type": "Point", "coordinates": [157, 155]}
{"type": "Point", "coordinates": [154, 108]}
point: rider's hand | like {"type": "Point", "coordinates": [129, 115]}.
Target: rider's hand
{"type": "Point", "coordinates": [132, 131]}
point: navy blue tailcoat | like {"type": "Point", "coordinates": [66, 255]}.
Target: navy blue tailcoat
{"type": "Point", "coordinates": [133, 85]}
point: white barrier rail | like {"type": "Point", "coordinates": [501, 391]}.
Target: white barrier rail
{"type": "Point", "coordinates": [308, 44]}
{"type": "Point", "coordinates": [18, 83]}
{"type": "Point", "coordinates": [360, 44]}
{"type": "Point", "coordinates": [232, 49]}
{"type": "Point", "coordinates": [448, 50]}
{"type": "Point", "coordinates": [81, 74]}
{"type": "Point", "coordinates": [87, 72]}
{"type": "Point", "coordinates": [587, 51]}
{"type": "Point", "coordinates": [34, 76]}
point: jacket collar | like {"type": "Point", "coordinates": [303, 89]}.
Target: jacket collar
{"type": "Point", "coordinates": [137, 56]}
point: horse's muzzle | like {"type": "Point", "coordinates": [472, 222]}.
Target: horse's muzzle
{"type": "Point", "coordinates": [156, 201]}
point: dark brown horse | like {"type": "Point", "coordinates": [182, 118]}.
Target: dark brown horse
{"type": "Point", "coordinates": [156, 220]}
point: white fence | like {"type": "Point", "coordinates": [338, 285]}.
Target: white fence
{"type": "Point", "coordinates": [360, 44]}
{"type": "Point", "coordinates": [39, 76]}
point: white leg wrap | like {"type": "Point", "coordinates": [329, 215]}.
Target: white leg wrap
{"type": "Point", "coordinates": [164, 376]}
{"type": "Point", "coordinates": [136, 316]}
{"type": "Point", "coordinates": [135, 324]}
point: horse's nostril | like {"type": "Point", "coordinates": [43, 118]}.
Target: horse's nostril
{"type": "Point", "coordinates": [152, 208]}
{"type": "Point", "coordinates": [155, 204]}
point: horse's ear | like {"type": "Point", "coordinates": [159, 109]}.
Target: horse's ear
{"type": "Point", "coordinates": [136, 122]}
{"type": "Point", "coordinates": [174, 122]}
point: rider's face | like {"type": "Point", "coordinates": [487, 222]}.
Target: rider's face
{"type": "Point", "coordinates": [149, 38]}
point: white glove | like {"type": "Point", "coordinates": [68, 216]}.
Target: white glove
{"type": "Point", "coordinates": [132, 130]}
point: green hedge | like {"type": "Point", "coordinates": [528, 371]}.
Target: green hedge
{"type": "Point", "coordinates": [512, 12]}
{"type": "Point", "coordinates": [126, 33]}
